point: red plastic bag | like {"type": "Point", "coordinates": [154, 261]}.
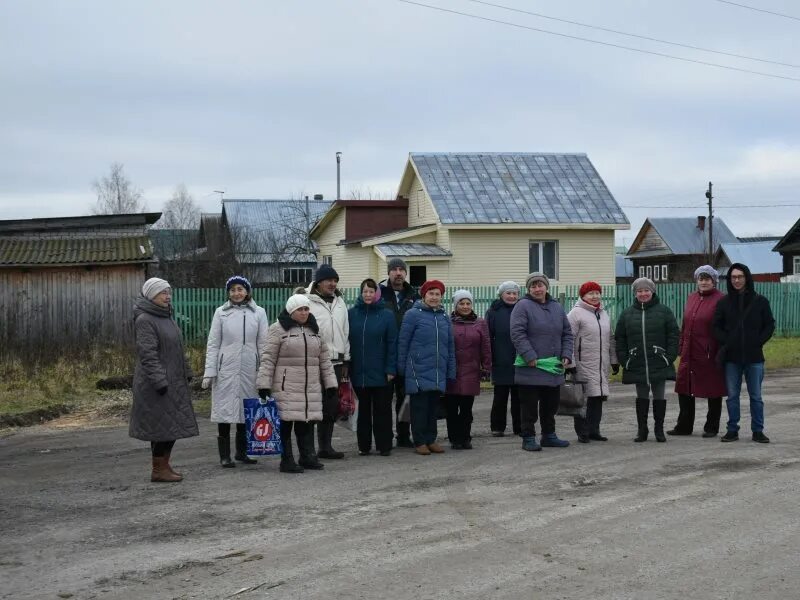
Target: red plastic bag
{"type": "Point", "coordinates": [347, 400]}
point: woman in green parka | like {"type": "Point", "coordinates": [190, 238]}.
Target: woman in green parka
{"type": "Point", "coordinates": [647, 346]}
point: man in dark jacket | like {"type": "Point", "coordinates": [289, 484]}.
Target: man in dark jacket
{"type": "Point", "coordinates": [399, 296]}
{"type": "Point", "coordinates": [743, 323]}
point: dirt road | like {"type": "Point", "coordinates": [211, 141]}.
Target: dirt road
{"type": "Point", "coordinates": [690, 518]}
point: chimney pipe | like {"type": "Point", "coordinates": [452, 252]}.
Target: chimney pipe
{"type": "Point", "coordinates": [338, 175]}
{"type": "Point", "coordinates": [318, 197]}
{"type": "Point", "coordinates": [701, 223]}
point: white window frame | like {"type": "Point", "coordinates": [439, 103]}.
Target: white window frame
{"type": "Point", "coordinates": [641, 271]}
{"type": "Point", "coordinates": [656, 273]}
{"type": "Point", "coordinates": [796, 265]}
{"type": "Point", "coordinates": [297, 274]}
{"type": "Point", "coordinates": [664, 273]}
{"type": "Point", "coordinates": [540, 266]}
{"type": "Point", "coordinates": [327, 259]}
{"type": "Point", "coordinates": [649, 271]}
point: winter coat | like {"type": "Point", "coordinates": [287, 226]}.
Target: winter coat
{"type": "Point", "coordinates": [237, 338]}
{"type": "Point", "coordinates": [426, 353]}
{"type": "Point", "coordinates": [373, 344]}
{"type": "Point", "coordinates": [743, 322]}
{"type": "Point", "coordinates": [540, 330]}
{"type": "Point", "coordinates": [160, 362]}
{"type": "Point", "coordinates": [698, 372]}
{"type": "Point", "coordinates": [333, 323]}
{"type": "Point", "coordinates": [294, 368]}
{"type": "Point", "coordinates": [647, 342]}
{"type": "Point", "coordinates": [408, 297]}
{"type": "Point", "coordinates": [473, 354]}
{"type": "Point", "coordinates": [594, 346]}
{"type": "Point", "coordinates": [498, 321]}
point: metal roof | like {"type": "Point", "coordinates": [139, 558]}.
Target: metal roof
{"type": "Point", "coordinates": [259, 227]}
{"type": "Point", "coordinates": [24, 251]}
{"type": "Point", "coordinates": [682, 236]}
{"type": "Point", "coordinates": [412, 250]}
{"type": "Point", "coordinates": [758, 256]}
{"type": "Point", "coordinates": [172, 243]}
{"type": "Point", "coordinates": [511, 187]}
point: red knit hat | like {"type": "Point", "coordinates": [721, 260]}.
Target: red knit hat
{"type": "Point", "coordinates": [431, 284]}
{"type": "Point", "coordinates": [589, 286]}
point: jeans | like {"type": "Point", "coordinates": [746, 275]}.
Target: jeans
{"type": "Point", "coordinates": [374, 417]}
{"type": "Point", "coordinates": [424, 407]}
{"type": "Point", "coordinates": [499, 407]}
{"type": "Point", "coordinates": [754, 376]}
{"type": "Point", "coordinates": [536, 401]}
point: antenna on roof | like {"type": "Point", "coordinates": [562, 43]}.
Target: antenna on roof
{"type": "Point", "coordinates": [221, 194]}
{"type": "Point", "coordinates": [338, 175]}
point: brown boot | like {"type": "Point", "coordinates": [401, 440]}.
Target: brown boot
{"type": "Point", "coordinates": [435, 448]}
{"type": "Point", "coordinates": [169, 466]}
{"type": "Point", "coordinates": [422, 450]}
{"type": "Point", "coordinates": [161, 471]}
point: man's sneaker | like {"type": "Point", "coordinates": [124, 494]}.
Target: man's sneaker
{"type": "Point", "coordinates": [730, 436]}
{"type": "Point", "coordinates": [758, 436]}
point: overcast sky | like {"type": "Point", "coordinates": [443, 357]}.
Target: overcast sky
{"type": "Point", "coordinates": [254, 98]}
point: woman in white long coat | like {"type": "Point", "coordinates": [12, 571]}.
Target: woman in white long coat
{"type": "Point", "coordinates": [237, 338]}
{"type": "Point", "coordinates": [595, 355]}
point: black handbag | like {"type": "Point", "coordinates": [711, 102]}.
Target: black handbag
{"type": "Point", "coordinates": [572, 397]}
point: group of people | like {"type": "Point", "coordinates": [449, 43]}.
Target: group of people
{"type": "Point", "coordinates": [395, 342]}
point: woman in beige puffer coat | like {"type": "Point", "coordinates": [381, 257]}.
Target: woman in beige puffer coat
{"type": "Point", "coordinates": [294, 368]}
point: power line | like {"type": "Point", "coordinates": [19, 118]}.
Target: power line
{"type": "Point", "coordinates": [634, 35]}
{"type": "Point", "coordinates": [583, 39]}
{"type": "Point", "coordinates": [763, 10]}
{"type": "Point", "coordinates": [715, 208]}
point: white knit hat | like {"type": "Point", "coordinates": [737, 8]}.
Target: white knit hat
{"type": "Point", "coordinates": [507, 286]}
{"type": "Point", "coordinates": [459, 295]}
{"type": "Point", "coordinates": [153, 287]}
{"type": "Point", "coordinates": [295, 302]}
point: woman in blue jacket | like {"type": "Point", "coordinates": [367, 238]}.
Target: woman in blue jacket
{"type": "Point", "coordinates": [373, 364]}
{"type": "Point", "coordinates": [426, 357]}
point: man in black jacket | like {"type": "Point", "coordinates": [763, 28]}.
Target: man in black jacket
{"type": "Point", "coordinates": [743, 323]}
{"type": "Point", "coordinates": [399, 296]}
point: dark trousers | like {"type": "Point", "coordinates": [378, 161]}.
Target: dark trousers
{"type": "Point", "coordinates": [160, 449]}
{"type": "Point", "coordinates": [590, 425]}
{"type": "Point", "coordinates": [301, 429]}
{"type": "Point", "coordinates": [374, 417]}
{"type": "Point", "coordinates": [224, 429]}
{"type": "Point", "coordinates": [459, 418]}
{"type": "Point", "coordinates": [403, 429]}
{"type": "Point", "coordinates": [424, 406]}
{"type": "Point", "coordinates": [497, 418]}
{"type": "Point", "coordinates": [686, 415]}
{"type": "Point", "coordinates": [537, 401]}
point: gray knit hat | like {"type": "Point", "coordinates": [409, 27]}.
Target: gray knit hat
{"type": "Point", "coordinates": [153, 287]}
{"type": "Point", "coordinates": [537, 276]}
{"type": "Point", "coordinates": [644, 283]}
{"type": "Point", "coordinates": [507, 286]}
{"type": "Point", "coordinates": [459, 295]}
{"type": "Point", "coordinates": [396, 262]}
{"type": "Point", "coordinates": [707, 270]}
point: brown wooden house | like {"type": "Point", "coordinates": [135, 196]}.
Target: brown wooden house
{"type": "Point", "coordinates": [789, 249]}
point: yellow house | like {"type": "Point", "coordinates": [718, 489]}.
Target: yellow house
{"type": "Point", "coordinates": [478, 219]}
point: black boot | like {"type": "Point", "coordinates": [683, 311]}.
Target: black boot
{"type": "Point", "coordinates": [287, 459]}
{"type": "Point", "coordinates": [241, 447]}
{"type": "Point", "coordinates": [659, 412]}
{"type": "Point", "coordinates": [224, 445]}
{"type": "Point", "coordinates": [685, 423]}
{"type": "Point", "coordinates": [305, 443]}
{"type": "Point", "coordinates": [324, 437]}
{"type": "Point", "coordinates": [642, 410]}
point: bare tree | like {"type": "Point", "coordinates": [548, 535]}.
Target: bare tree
{"type": "Point", "coordinates": [367, 193]}
{"type": "Point", "coordinates": [180, 211]}
{"type": "Point", "coordinates": [116, 195]}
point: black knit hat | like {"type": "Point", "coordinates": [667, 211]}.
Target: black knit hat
{"type": "Point", "coordinates": [325, 272]}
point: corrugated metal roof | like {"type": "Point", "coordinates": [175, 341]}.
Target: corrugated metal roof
{"type": "Point", "coordinates": [412, 250]}
{"type": "Point", "coordinates": [682, 236]}
{"type": "Point", "coordinates": [82, 251]}
{"type": "Point", "coordinates": [266, 225]}
{"type": "Point", "coordinates": [758, 256]}
{"type": "Point", "coordinates": [516, 188]}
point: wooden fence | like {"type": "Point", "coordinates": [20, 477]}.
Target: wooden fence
{"type": "Point", "coordinates": [194, 307]}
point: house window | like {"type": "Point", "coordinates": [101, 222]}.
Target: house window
{"type": "Point", "coordinates": [649, 271]}
{"type": "Point", "coordinates": [796, 265]}
{"type": "Point", "coordinates": [656, 273]}
{"type": "Point", "coordinates": [543, 257]}
{"type": "Point", "coordinates": [297, 275]}
{"type": "Point", "coordinates": [664, 272]}
{"type": "Point", "coordinates": [641, 271]}
{"type": "Point", "coordinates": [327, 259]}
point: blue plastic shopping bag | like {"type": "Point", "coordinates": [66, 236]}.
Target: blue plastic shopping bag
{"type": "Point", "coordinates": [263, 427]}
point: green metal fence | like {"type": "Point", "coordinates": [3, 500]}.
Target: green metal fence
{"type": "Point", "coordinates": [194, 307]}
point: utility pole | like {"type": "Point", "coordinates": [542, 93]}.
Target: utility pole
{"type": "Point", "coordinates": [338, 175]}
{"type": "Point", "coordinates": [710, 197]}
{"type": "Point", "coordinates": [308, 227]}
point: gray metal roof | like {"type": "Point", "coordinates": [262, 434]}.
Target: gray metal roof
{"type": "Point", "coordinates": [758, 256]}
{"type": "Point", "coordinates": [413, 250]}
{"type": "Point", "coordinates": [682, 236]}
{"type": "Point", "coordinates": [267, 231]}
{"type": "Point", "coordinates": [514, 187]}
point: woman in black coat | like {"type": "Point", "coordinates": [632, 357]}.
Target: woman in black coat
{"type": "Point", "coordinates": [498, 319]}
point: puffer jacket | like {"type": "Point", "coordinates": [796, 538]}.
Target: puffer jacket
{"type": "Point", "coordinates": [294, 367]}
{"type": "Point", "coordinates": [647, 342]}
{"type": "Point", "coordinates": [426, 354]}
{"type": "Point", "coordinates": [473, 354]}
{"type": "Point", "coordinates": [698, 372]}
{"type": "Point", "coordinates": [595, 347]}
{"type": "Point", "coordinates": [373, 344]}
{"type": "Point", "coordinates": [333, 323]}
{"type": "Point", "coordinates": [236, 341]}
{"type": "Point", "coordinates": [161, 361]}
{"type": "Point", "coordinates": [498, 320]}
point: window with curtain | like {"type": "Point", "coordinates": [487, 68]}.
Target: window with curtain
{"type": "Point", "coordinates": [543, 257]}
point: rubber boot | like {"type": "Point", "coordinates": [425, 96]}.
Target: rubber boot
{"type": "Point", "coordinates": [659, 412]}
{"type": "Point", "coordinates": [642, 411]}
{"type": "Point", "coordinates": [241, 447]}
{"type": "Point", "coordinates": [324, 437]}
{"type": "Point", "coordinates": [287, 458]}
{"type": "Point", "coordinates": [169, 466]}
{"type": "Point", "coordinates": [305, 443]}
{"type": "Point", "coordinates": [161, 472]}
{"type": "Point", "coordinates": [224, 445]}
